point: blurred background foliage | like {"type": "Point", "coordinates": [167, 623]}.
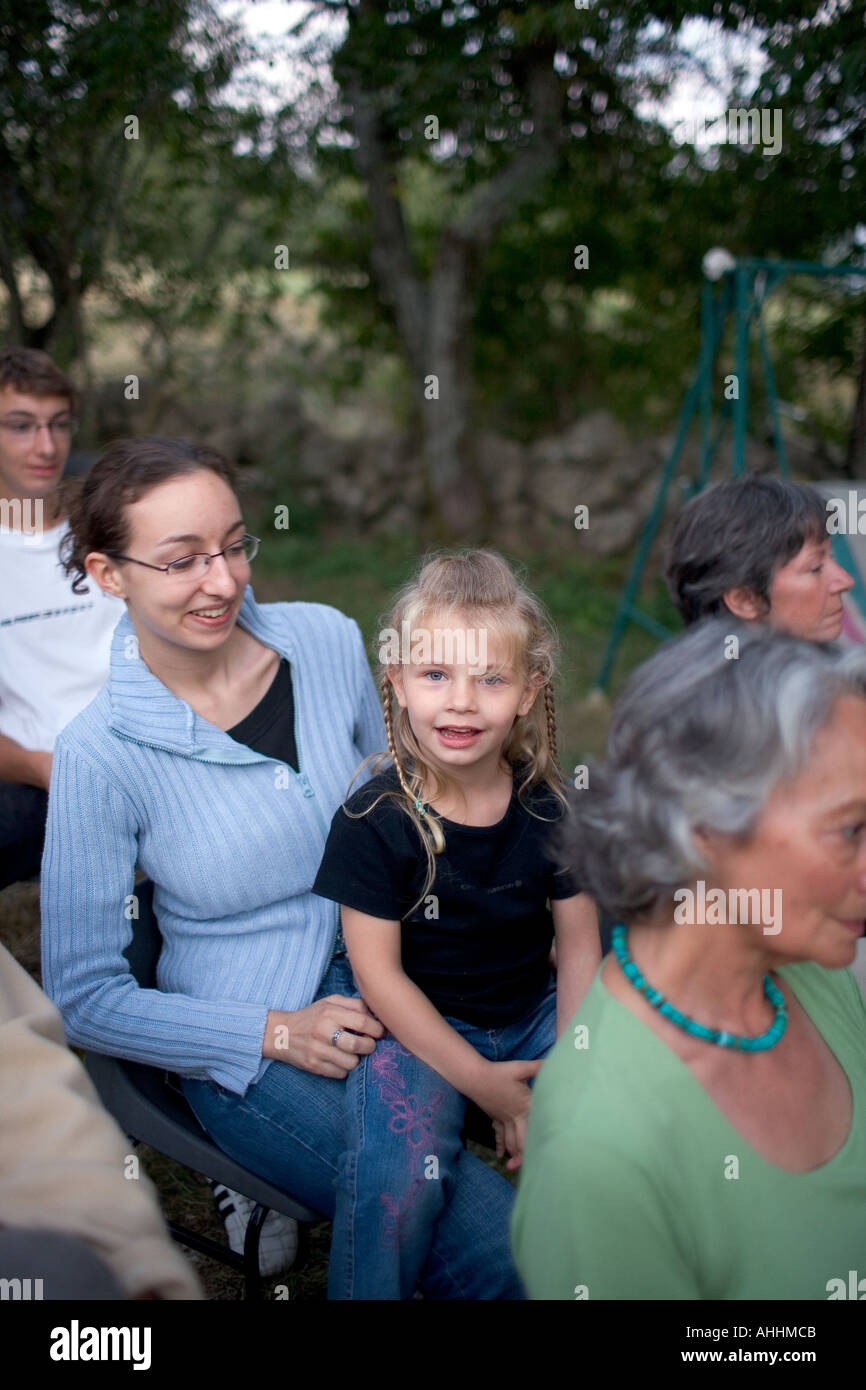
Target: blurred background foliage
{"type": "Point", "coordinates": [544, 140]}
{"type": "Point", "coordinates": [429, 169]}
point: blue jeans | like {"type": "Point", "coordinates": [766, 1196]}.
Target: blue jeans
{"type": "Point", "coordinates": [289, 1129]}
{"type": "Point", "coordinates": [22, 831]}
{"type": "Point", "coordinates": [402, 1157]}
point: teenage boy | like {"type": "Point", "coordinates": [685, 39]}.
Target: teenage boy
{"type": "Point", "coordinates": [54, 644]}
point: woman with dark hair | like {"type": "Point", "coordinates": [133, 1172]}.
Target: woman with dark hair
{"type": "Point", "coordinates": [758, 549]}
{"type": "Point", "coordinates": [700, 1132]}
{"type": "Point", "coordinates": [214, 759]}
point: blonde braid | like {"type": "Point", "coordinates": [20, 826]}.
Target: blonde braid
{"type": "Point", "coordinates": [550, 712]}
{"type": "Point", "coordinates": [428, 825]}
{"type": "Point", "coordinates": [392, 744]}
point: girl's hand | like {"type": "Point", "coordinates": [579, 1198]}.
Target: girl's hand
{"type": "Point", "coordinates": [505, 1096]}
{"type": "Point", "coordinates": [305, 1037]}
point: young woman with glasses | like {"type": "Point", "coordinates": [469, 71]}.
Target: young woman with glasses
{"type": "Point", "coordinates": [214, 759]}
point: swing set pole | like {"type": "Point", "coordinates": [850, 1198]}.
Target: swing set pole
{"type": "Point", "coordinates": [699, 391]}
{"type": "Point", "coordinates": [738, 291]}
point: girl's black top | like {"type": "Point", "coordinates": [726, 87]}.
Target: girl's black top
{"type": "Point", "coordinates": [478, 944]}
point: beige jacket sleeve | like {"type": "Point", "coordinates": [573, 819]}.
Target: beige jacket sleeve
{"type": "Point", "coordinates": [62, 1156]}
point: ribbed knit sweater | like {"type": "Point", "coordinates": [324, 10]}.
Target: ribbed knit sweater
{"type": "Point", "coordinates": [231, 839]}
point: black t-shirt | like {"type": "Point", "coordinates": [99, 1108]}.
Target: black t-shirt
{"type": "Point", "coordinates": [270, 727]}
{"type": "Point", "coordinates": [478, 945]}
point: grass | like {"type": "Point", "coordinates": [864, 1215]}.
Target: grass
{"type": "Point", "coordinates": [360, 578]}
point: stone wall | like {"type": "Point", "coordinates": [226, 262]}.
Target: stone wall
{"type": "Point", "coordinates": [373, 482]}
{"type": "Point", "coordinates": [533, 489]}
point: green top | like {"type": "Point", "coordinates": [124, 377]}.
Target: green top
{"type": "Point", "coordinates": [628, 1186]}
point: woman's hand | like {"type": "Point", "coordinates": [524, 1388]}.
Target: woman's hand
{"type": "Point", "coordinates": [305, 1037]}
{"type": "Point", "coordinates": [505, 1096]}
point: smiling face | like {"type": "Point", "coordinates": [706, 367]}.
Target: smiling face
{"type": "Point", "coordinates": [32, 465]}
{"type": "Point", "coordinates": [461, 711]}
{"type": "Point", "coordinates": [806, 593]}
{"type": "Point", "coordinates": [810, 843]}
{"type": "Point", "coordinates": [194, 512]}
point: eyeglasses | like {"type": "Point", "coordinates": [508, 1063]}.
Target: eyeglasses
{"type": "Point", "coordinates": [27, 430]}
{"type": "Point", "coordinates": [194, 566]}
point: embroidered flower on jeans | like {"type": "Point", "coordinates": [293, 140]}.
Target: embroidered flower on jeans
{"type": "Point", "coordinates": [414, 1119]}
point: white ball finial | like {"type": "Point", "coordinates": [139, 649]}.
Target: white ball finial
{"type": "Point", "coordinates": [717, 262]}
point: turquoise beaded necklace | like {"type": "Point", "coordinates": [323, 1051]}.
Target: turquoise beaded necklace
{"type": "Point", "coordinates": [699, 1030]}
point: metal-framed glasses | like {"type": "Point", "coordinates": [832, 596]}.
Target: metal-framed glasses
{"type": "Point", "coordinates": [25, 429]}
{"type": "Point", "coordinates": [195, 566]}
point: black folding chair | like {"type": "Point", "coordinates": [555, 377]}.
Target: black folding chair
{"type": "Point", "coordinates": [150, 1107]}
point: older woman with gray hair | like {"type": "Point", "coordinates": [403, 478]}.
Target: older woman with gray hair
{"type": "Point", "coordinates": [699, 1132]}
{"type": "Point", "coordinates": [758, 549]}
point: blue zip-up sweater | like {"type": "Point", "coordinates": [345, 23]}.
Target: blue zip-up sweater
{"type": "Point", "coordinates": [231, 839]}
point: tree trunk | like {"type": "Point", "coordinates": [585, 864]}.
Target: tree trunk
{"type": "Point", "coordinates": [62, 334]}
{"type": "Point", "coordinates": [434, 319]}
{"type": "Point", "coordinates": [454, 485]}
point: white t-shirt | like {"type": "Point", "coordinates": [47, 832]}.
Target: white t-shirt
{"type": "Point", "coordinates": [54, 644]}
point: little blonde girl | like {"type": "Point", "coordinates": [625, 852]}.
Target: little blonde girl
{"type": "Point", "coordinates": [451, 898]}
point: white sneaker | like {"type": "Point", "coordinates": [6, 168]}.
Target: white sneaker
{"type": "Point", "coordinates": [278, 1239]}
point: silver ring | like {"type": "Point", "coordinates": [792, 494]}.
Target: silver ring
{"type": "Point", "coordinates": [336, 1035]}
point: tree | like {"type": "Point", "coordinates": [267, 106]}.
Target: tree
{"type": "Point", "coordinates": [508, 112]}
{"type": "Point", "coordinates": [485, 97]}
{"type": "Point", "coordinates": [97, 101]}
{"type": "Point", "coordinates": [814, 194]}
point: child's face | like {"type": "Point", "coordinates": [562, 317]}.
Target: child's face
{"type": "Point", "coordinates": [462, 692]}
